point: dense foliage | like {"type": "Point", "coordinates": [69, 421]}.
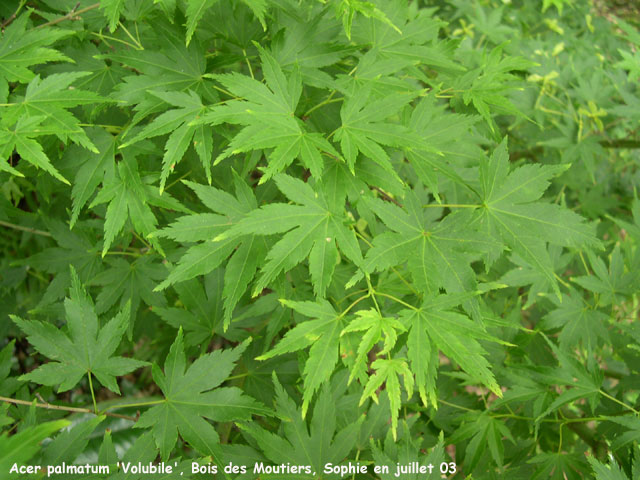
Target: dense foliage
{"type": "Point", "coordinates": [314, 232]}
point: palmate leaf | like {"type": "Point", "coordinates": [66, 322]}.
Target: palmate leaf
{"type": "Point", "coordinates": [204, 257]}
{"type": "Point", "coordinates": [389, 371]}
{"type": "Point", "coordinates": [404, 450]}
{"type": "Point", "coordinates": [197, 8]}
{"type": "Point", "coordinates": [51, 98]}
{"type": "Point", "coordinates": [435, 326]}
{"type": "Point", "coordinates": [365, 129]}
{"type": "Point", "coordinates": [129, 197]}
{"type": "Point", "coordinates": [92, 171]}
{"type": "Point", "coordinates": [580, 323]}
{"type": "Point", "coordinates": [485, 432]}
{"type": "Point", "coordinates": [510, 212]}
{"type": "Point", "coordinates": [268, 115]}
{"type": "Point", "coordinates": [439, 253]}
{"type": "Point", "coordinates": [176, 122]}
{"type": "Point", "coordinates": [20, 49]}
{"type": "Point", "coordinates": [315, 228]}
{"type": "Point", "coordinates": [612, 471]}
{"type": "Point", "coordinates": [112, 10]}
{"type": "Point", "coordinates": [417, 43]}
{"type": "Point", "coordinates": [129, 284]}
{"type": "Point", "coordinates": [84, 348]}
{"type": "Point", "coordinates": [486, 86]}
{"type": "Point", "coordinates": [375, 327]}
{"type": "Point", "coordinates": [191, 396]}
{"type": "Point", "coordinates": [20, 138]}
{"type": "Point", "coordinates": [322, 333]}
{"type": "Point", "coordinates": [313, 446]}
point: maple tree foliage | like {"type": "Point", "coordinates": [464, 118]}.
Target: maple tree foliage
{"type": "Point", "coordinates": [283, 233]}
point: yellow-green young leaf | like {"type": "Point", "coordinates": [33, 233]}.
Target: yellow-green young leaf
{"type": "Point", "coordinates": [82, 348]}
{"type": "Point", "coordinates": [389, 371]}
{"type": "Point", "coordinates": [193, 394]}
{"type": "Point", "coordinates": [376, 328]}
{"type": "Point", "coordinates": [112, 10]}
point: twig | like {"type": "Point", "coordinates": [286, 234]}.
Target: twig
{"type": "Point", "coordinates": [73, 13]}
{"type": "Point", "coordinates": [25, 229]}
{"type": "Point", "coordinates": [13, 15]}
{"type": "Point", "coordinates": [49, 406]}
{"type": "Point", "coordinates": [386, 196]}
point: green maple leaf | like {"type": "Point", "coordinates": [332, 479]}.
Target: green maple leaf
{"type": "Point", "coordinates": [84, 348]}
{"type": "Point", "coordinates": [510, 212]}
{"type": "Point", "coordinates": [347, 9]}
{"type": "Point", "coordinates": [389, 371]}
{"type": "Point", "coordinates": [204, 257]}
{"type": "Point", "coordinates": [93, 169]}
{"type": "Point", "coordinates": [51, 98]}
{"type": "Point", "coordinates": [417, 44]}
{"type": "Point", "coordinates": [197, 8]}
{"type": "Point", "coordinates": [112, 10]}
{"type": "Point", "coordinates": [130, 283]}
{"type": "Point", "coordinates": [177, 122]}
{"type": "Point", "coordinates": [376, 327]}
{"type": "Point", "coordinates": [193, 394]}
{"type": "Point", "coordinates": [526, 274]}
{"type": "Point", "coordinates": [438, 253]}
{"type": "Point", "coordinates": [559, 466]}
{"type": "Point", "coordinates": [79, 248]}
{"type": "Point", "coordinates": [167, 65]}
{"type": "Point", "coordinates": [611, 284]}
{"type": "Point", "coordinates": [309, 47]}
{"type": "Point", "coordinates": [322, 334]}
{"type": "Point", "coordinates": [70, 443]}
{"type": "Point", "coordinates": [204, 313]}
{"type": "Point", "coordinates": [434, 326]}
{"type": "Point", "coordinates": [486, 87]}
{"type": "Point", "coordinates": [20, 139]}
{"type": "Point", "coordinates": [580, 323]}
{"type": "Point", "coordinates": [405, 450]}
{"type": "Point", "coordinates": [611, 471]}
{"type": "Point", "coordinates": [365, 128]}
{"type": "Point", "coordinates": [20, 49]}
{"type": "Point", "coordinates": [267, 113]}
{"type": "Point", "coordinates": [313, 446]}
{"type": "Point", "coordinates": [315, 228]}
{"type": "Point", "coordinates": [580, 381]}
{"type": "Point", "coordinates": [486, 432]}
{"type": "Point", "coordinates": [129, 197]}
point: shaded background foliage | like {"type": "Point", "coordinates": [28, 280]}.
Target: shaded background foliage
{"type": "Point", "coordinates": [313, 232]}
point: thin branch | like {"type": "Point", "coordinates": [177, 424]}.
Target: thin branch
{"type": "Point", "coordinates": [49, 406]}
{"type": "Point", "coordinates": [13, 15]}
{"type": "Point", "coordinates": [385, 195]}
{"type": "Point", "coordinates": [25, 229]}
{"type": "Point", "coordinates": [72, 14]}
{"type": "Point", "coordinates": [621, 143]}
